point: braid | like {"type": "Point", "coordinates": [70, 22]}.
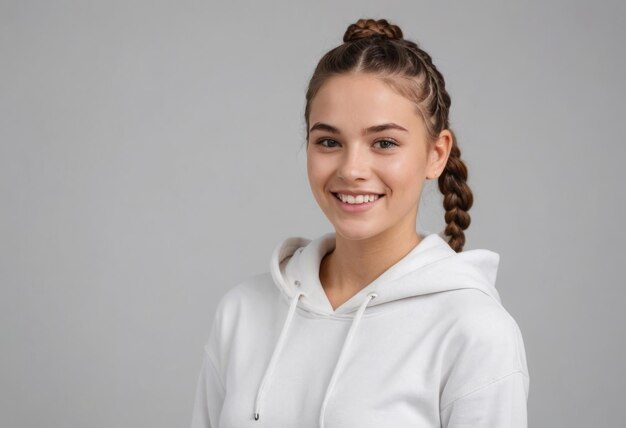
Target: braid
{"type": "Point", "coordinates": [457, 197]}
{"type": "Point", "coordinates": [370, 27]}
{"type": "Point", "coordinates": [436, 100]}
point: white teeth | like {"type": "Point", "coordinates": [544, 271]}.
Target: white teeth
{"type": "Point", "coordinates": [359, 199]}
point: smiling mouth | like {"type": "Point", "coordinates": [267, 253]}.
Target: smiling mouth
{"type": "Point", "coordinates": [354, 201]}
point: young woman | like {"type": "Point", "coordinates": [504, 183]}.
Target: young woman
{"type": "Point", "coordinates": [374, 324]}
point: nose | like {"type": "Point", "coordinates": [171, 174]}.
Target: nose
{"type": "Point", "coordinates": [354, 164]}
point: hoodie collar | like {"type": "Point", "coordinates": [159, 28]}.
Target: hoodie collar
{"type": "Point", "coordinates": [431, 266]}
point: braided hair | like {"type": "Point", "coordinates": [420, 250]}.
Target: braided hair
{"type": "Point", "coordinates": [378, 47]}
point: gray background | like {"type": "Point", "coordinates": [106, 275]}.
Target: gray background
{"type": "Point", "coordinates": [152, 156]}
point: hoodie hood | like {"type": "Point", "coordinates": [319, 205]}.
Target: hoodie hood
{"type": "Point", "coordinates": [431, 267]}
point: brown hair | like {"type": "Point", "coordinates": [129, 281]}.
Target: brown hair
{"type": "Point", "coordinates": [378, 47]}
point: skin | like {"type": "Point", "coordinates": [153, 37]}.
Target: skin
{"type": "Point", "coordinates": [368, 243]}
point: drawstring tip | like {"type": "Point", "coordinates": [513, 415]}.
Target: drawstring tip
{"type": "Point", "coordinates": [256, 416]}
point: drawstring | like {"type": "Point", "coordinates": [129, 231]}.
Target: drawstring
{"type": "Point", "coordinates": [277, 349]}
{"type": "Point", "coordinates": [346, 343]}
{"type": "Point", "coordinates": [281, 341]}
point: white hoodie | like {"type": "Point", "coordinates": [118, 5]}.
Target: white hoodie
{"type": "Point", "coordinates": [426, 344]}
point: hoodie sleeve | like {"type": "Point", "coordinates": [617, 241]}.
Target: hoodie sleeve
{"type": "Point", "coordinates": [210, 390]}
{"type": "Point", "coordinates": [500, 404]}
{"type": "Point", "coordinates": [209, 396]}
{"type": "Point", "coordinates": [486, 380]}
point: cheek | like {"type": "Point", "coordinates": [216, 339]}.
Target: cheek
{"type": "Point", "coordinates": [317, 171]}
{"type": "Point", "coordinates": [403, 173]}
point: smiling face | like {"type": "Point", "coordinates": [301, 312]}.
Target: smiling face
{"type": "Point", "coordinates": [364, 138]}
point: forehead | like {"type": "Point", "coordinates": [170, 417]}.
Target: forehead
{"type": "Point", "coordinates": [361, 100]}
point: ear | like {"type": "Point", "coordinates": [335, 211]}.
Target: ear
{"type": "Point", "coordinates": [439, 153]}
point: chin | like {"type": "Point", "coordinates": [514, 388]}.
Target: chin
{"type": "Point", "coordinates": [356, 232]}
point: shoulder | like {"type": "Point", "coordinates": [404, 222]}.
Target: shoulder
{"type": "Point", "coordinates": [249, 287]}
{"type": "Point", "coordinates": [484, 344]}
{"type": "Point", "coordinates": [481, 326]}
{"type": "Point", "coordinates": [237, 308]}
{"type": "Point", "coordinates": [480, 317]}
{"type": "Point", "coordinates": [241, 301]}
{"type": "Point", "coordinates": [253, 290]}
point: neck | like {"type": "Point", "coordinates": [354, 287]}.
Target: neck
{"type": "Point", "coordinates": [354, 264]}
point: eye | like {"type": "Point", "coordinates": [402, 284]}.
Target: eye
{"type": "Point", "coordinates": [384, 145]}
{"type": "Point", "coordinates": [320, 142]}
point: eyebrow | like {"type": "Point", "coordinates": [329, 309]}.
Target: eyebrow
{"type": "Point", "coordinates": [372, 129]}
